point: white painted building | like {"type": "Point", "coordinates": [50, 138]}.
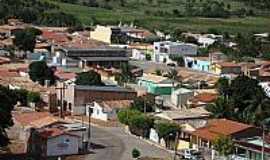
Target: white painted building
{"type": "Point", "coordinates": [64, 144]}
{"type": "Point", "coordinates": [179, 97]}
{"type": "Point", "coordinates": [106, 110]}
{"type": "Point", "coordinates": [266, 88]}
{"type": "Point", "coordinates": [163, 50]}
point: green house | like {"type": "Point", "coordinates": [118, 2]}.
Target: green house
{"type": "Point", "coordinates": [157, 85]}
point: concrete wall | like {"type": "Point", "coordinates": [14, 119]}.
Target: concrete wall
{"type": "Point", "coordinates": [62, 145]}
{"type": "Point", "coordinates": [102, 33]}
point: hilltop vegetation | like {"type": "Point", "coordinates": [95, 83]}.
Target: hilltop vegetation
{"type": "Point", "coordinates": [166, 15]}
{"type": "Point", "coordinates": [34, 11]}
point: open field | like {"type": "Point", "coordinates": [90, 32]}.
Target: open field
{"type": "Point", "coordinates": [90, 15]}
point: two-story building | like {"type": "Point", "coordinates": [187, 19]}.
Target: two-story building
{"type": "Point", "coordinates": [163, 50]}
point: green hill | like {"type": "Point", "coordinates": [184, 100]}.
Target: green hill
{"type": "Point", "coordinates": [167, 15]}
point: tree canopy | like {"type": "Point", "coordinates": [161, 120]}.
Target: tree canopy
{"type": "Point", "coordinates": [37, 12]}
{"type": "Point", "coordinates": [243, 100]}
{"type": "Point", "coordinates": [7, 103]}
{"type": "Point", "coordinates": [40, 72]}
{"type": "Point", "coordinates": [91, 78]}
{"type": "Point", "coordinates": [223, 145]}
{"type": "Point", "coordinates": [25, 40]}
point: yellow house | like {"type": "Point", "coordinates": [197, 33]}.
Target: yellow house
{"type": "Point", "coordinates": [225, 68]}
{"type": "Point", "coordinates": [102, 33]}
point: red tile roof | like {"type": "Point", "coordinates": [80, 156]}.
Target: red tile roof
{"type": "Point", "coordinates": [205, 97]}
{"type": "Point", "coordinates": [57, 37]}
{"type": "Point", "coordinates": [218, 127]}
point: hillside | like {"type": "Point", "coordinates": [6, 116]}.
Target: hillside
{"type": "Point", "coordinates": [167, 15]}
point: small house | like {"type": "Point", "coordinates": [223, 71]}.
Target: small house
{"type": "Point", "coordinates": [51, 142]}
{"type": "Point", "coordinates": [205, 136]}
{"type": "Point", "coordinates": [156, 85]}
{"type": "Point", "coordinates": [179, 97]}
{"type": "Point", "coordinates": [107, 110]}
{"type": "Point", "coordinates": [197, 63]}
{"type": "Point", "coordinates": [225, 68]}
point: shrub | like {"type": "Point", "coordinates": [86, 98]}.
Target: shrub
{"type": "Point", "coordinates": [136, 153]}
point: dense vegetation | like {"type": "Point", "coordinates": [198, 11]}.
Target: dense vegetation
{"type": "Point", "coordinates": [241, 100]}
{"type": "Point", "coordinates": [34, 11]}
{"type": "Point", "coordinates": [7, 101]}
{"type": "Point", "coordinates": [40, 72]}
{"type": "Point", "coordinates": [167, 15]}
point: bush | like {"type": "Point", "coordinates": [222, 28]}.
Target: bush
{"type": "Point", "coordinates": [89, 78]}
{"type": "Point", "coordinates": [136, 153]}
{"type": "Point", "coordinates": [140, 125]}
{"type": "Point", "coordinates": [33, 97]}
{"type": "Point", "coordinates": [125, 115]}
{"type": "Point", "coordinates": [148, 57]}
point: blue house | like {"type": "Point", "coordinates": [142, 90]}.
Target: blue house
{"type": "Point", "coordinates": [197, 63]}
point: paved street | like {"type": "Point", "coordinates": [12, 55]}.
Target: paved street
{"type": "Point", "coordinates": [115, 144]}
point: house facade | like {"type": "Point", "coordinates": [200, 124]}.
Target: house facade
{"type": "Point", "coordinates": [76, 97]}
{"type": "Point", "coordinates": [163, 50]}
{"type": "Point", "coordinates": [107, 110]}
{"type": "Point", "coordinates": [197, 63]}
{"type": "Point", "coordinates": [156, 85]}
{"type": "Point", "coordinates": [205, 136]}
{"type": "Point", "coordinates": [179, 97]}
{"type": "Point", "coordinates": [225, 68]}
{"type": "Point", "coordinates": [52, 142]}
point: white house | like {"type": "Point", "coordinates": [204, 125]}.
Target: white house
{"type": "Point", "coordinates": [179, 98]}
{"type": "Point", "coordinates": [163, 50]}
{"type": "Point", "coordinates": [107, 110]}
{"type": "Point", "coordinates": [50, 142]}
{"type": "Point", "coordinates": [205, 41]}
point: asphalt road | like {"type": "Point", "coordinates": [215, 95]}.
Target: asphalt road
{"type": "Point", "coordinates": [115, 144]}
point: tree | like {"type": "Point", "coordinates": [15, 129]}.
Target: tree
{"type": "Point", "coordinates": [223, 145]}
{"type": "Point", "coordinates": [40, 72]}
{"type": "Point", "coordinates": [136, 153]}
{"type": "Point", "coordinates": [90, 78]}
{"type": "Point", "coordinates": [21, 96]}
{"type": "Point", "coordinates": [222, 108]}
{"type": "Point", "coordinates": [179, 59]}
{"type": "Point", "coordinates": [158, 72]}
{"type": "Point", "coordinates": [223, 86]}
{"type": "Point", "coordinates": [125, 74]}
{"type": "Point", "coordinates": [143, 104]}
{"type": "Point", "coordinates": [6, 106]}
{"type": "Point", "coordinates": [140, 125]}
{"type": "Point", "coordinates": [25, 40]}
{"type": "Point", "coordinates": [33, 97]}
{"type": "Point", "coordinates": [167, 131]}
{"type": "Point", "coordinates": [124, 115]}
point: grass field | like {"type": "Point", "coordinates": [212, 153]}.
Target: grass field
{"type": "Point", "coordinates": [137, 15]}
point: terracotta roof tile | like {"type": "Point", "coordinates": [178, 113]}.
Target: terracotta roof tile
{"type": "Point", "coordinates": [218, 127]}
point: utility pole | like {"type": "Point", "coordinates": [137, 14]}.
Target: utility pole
{"type": "Point", "coordinates": [263, 137]}
{"type": "Point", "coordinates": [62, 95]}
{"type": "Point", "coordinates": [176, 144]}
{"type": "Point", "coordinates": [90, 111]}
